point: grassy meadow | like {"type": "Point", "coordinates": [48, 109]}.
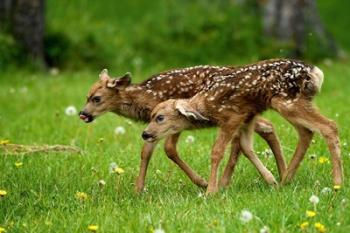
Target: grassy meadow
{"type": "Point", "coordinates": [62, 192]}
{"type": "Point", "coordinates": [41, 194]}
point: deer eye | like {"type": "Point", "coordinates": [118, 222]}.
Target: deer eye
{"type": "Point", "coordinates": [96, 99]}
{"type": "Point", "coordinates": [160, 118]}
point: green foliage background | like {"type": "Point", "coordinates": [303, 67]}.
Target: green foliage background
{"type": "Point", "coordinates": [138, 34]}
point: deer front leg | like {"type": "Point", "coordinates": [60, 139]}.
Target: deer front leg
{"type": "Point", "coordinates": [170, 150]}
{"type": "Point", "coordinates": [305, 137]}
{"type": "Point", "coordinates": [224, 137]}
{"type": "Point", "coordinates": [265, 129]}
{"type": "Point", "coordinates": [146, 154]}
{"type": "Point", "coordinates": [231, 164]}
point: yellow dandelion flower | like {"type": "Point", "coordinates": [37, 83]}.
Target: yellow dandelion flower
{"type": "Point", "coordinates": [336, 187]}
{"type": "Point", "coordinates": [2, 230]}
{"type": "Point", "coordinates": [93, 228]}
{"type": "Point", "coordinates": [18, 164]}
{"type": "Point", "coordinates": [310, 213]}
{"type": "Point", "coordinates": [320, 227]}
{"type": "Point", "coordinates": [323, 160]}
{"type": "Point", "coordinates": [304, 225]}
{"type": "Point", "coordinates": [119, 170]}
{"type": "Point", "coordinates": [3, 193]}
{"type": "Point", "coordinates": [4, 142]}
{"type": "Point", "coordinates": [81, 196]}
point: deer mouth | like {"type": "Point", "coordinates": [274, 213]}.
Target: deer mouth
{"type": "Point", "coordinates": [87, 118]}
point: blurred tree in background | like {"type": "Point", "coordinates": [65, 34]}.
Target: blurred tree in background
{"type": "Point", "coordinates": [24, 19]}
{"type": "Point", "coordinates": [294, 20]}
{"type": "Point", "coordinates": [136, 34]}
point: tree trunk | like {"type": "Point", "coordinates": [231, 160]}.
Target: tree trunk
{"type": "Point", "coordinates": [293, 20]}
{"type": "Point", "coordinates": [27, 23]}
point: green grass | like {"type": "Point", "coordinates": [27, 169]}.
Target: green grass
{"type": "Point", "coordinates": [41, 194]}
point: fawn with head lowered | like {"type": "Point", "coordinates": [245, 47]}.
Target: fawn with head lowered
{"type": "Point", "coordinates": [137, 101]}
{"type": "Point", "coordinates": [232, 103]}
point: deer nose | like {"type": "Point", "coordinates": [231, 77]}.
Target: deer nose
{"type": "Point", "coordinates": [146, 135]}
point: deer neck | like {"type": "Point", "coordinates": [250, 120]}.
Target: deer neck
{"type": "Point", "coordinates": [136, 103]}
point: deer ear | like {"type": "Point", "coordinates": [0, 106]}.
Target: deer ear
{"type": "Point", "coordinates": [104, 75]}
{"type": "Point", "coordinates": [188, 111]}
{"type": "Point", "coordinates": [120, 83]}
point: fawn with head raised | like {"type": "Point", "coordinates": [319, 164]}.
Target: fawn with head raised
{"type": "Point", "coordinates": [136, 101]}
{"type": "Point", "coordinates": [234, 100]}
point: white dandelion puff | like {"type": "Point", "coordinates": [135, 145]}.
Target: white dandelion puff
{"type": "Point", "coordinates": [314, 199]}
{"type": "Point", "coordinates": [190, 139]}
{"type": "Point", "coordinates": [326, 190]}
{"type": "Point", "coordinates": [159, 230]}
{"type": "Point", "coordinates": [119, 130]}
{"type": "Point", "coordinates": [101, 183]}
{"type": "Point", "coordinates": [265, 229]}
{"type": "Point", "coordinates": [71, 111]}
{"type": "Point", "coordinates": [246, 216]}
{"type": "Point", "coordinates": [112, 167]}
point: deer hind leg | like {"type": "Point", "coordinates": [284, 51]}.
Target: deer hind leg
{"type": "Point", "coordinates": [146, 155]}
{"type": "Point", "coordinates": [170, 150]}
{"type": "Point", "coordinates": [231, 164]}
{"type": "Point", "coordinates": [302, 112]}
{"type": "Point", "coordinates": [265, 129]}
{"type": "Point", "coordinates": [305, 137]}
{"type": "Point", "coordinates": [246, 143]}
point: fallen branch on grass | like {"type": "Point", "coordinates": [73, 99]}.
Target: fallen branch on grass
{"type": "Point", "coordinates": [15, 149]}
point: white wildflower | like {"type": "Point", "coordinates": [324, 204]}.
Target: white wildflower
{"type": "Point", "coordinates": [314, 199]}
{"type": "Point", "coordinates": [158, 171]}
{"type": "Point", "coordinates": [246, 216]}
{"type": "Point", "coordinates": [101, 183]}
{"type": "Point", "coordinates": [159, 230]}
{"type": "Point", "coordinates": [313, 156]}
{"type": "Point", "coordinates": [326, 190]}
{"type": "Point", "coordinates": [54, 71]}
{"type": "Point", "coordinates": [190, 139]}
{"type": "Point", "coordinates": [265, 229]}
{"type": "Point", "coordinates": [119, 130]}
{"type": "Point", "coordinates": [71, 111]}
{"type": "Point", "coordinates": [112, 167]}
{"type": "Point", "coordinates": [200, 195]}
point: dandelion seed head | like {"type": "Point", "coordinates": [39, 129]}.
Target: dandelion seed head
{"type": "Point", "coordinates": [71, 111]}
{"type": "Point", "coordinates": [314, 199]}
{"type": "Point", "coordinates": [326, 190]}
{"type": "Point", "coordinates": [246, 216]}
{"type": "Point", "coordinates": [265, 229]}
{"type": "Point", "coordinates": [190, 139]}
{"type": "Point", "coordinates": [101, 183]}
{"type": "Point", "coordinates": [159, 230]}
{"type": "Point", "coordinates": [119, 130]}
{"type": "Point", "coordinates": [112, 167]}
